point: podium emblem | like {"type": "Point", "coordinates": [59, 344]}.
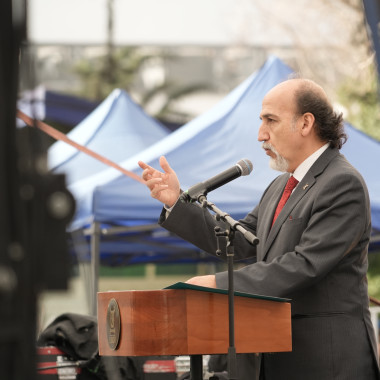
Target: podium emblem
{"type": "Point", "coordinates": [113, 324]}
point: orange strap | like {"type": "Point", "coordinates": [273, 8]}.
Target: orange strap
{"type": "Point", "coordinates": [61, 136]}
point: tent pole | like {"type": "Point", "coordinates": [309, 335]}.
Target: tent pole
{"type": "Point", "coordinates": [95, 252]}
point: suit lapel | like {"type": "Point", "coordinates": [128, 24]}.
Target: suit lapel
{"type": "Point", "coordinates": [303, 187]}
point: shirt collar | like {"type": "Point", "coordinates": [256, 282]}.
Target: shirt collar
{"type": "Point", "coordinates": [304, 167]}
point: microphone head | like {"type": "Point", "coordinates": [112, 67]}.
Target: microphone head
{"type": "Point", "coordinates": [245, 166]}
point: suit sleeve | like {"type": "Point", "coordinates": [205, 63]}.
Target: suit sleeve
{"type": "Point", "coordinates": [196, 224]}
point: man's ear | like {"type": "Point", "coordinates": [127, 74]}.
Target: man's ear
{"type": "Point", "coordinates": [308, 120]}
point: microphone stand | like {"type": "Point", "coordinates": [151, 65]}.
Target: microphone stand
{"type": "Point", "coordinates": [229, 234]}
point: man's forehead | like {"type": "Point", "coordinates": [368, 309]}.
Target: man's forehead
{"type": "Point", "coordinates": [277, 100]}
{"type": "Point", "coordinates": [272, 106]}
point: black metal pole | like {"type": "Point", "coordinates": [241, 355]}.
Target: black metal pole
{"type": "Point", "coordinates": [196, 367]}
{"type": "Point", "coordinates": [231, 358]}
{"type": "Point", "coordinates": [229, 234]}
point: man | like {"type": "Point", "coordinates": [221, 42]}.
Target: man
{"type": "Point", "coordinates": [313, 251]}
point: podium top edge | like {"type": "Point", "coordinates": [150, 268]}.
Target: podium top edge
{"type": "Point", "coordinates": [185, 286]}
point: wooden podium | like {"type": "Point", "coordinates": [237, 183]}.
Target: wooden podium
{"type": "Point", "coordinates": [189, 322]}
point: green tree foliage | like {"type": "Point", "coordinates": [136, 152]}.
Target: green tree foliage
{"type": "Point", "coordinates": [360, 97]}
{"type": "Point", "coordinates": [120, 68]}
{"type": "Point", "coordinates": [374, 275]}
{"type": "Point", "coordinates": [102, 74]}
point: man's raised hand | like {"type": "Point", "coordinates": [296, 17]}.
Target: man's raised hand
{"type": "Point", "coordinates": [163, 186]}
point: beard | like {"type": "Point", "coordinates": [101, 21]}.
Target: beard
{"type": "Point", "coordinates": [277, 163]}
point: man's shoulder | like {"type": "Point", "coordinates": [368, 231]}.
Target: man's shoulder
{"type": "Point", "coordinates": [334, 163]}
{"type": "Point", "coordinates": [339, 172]}
{"type": "Point", "coordinates": [340, 164]}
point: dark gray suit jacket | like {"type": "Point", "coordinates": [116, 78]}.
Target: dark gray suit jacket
{"type": "Point", "coordinates": [316, 255]}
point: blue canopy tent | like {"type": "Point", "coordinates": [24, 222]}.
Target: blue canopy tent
{"type": "Point", "coordinates": [200, 149]}
{"type": "Point", "coordinates": [117, 129]}
{"type": "Point", "coordinates": [205, 146]}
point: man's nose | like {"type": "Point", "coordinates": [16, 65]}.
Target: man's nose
{"type": "Point", "coordinates": [263, 134]}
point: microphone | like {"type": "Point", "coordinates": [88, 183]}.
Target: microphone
{"type": "Point", "coordinates": [241, 168]}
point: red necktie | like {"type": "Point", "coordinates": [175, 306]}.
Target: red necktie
{"type": "Point", "coordinates": [290, 185]}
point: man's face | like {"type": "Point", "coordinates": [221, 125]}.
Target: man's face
{"type": "Point", "coordinates": [279, 130]}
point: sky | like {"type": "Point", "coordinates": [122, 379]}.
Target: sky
{"type": "Point", "coordinates": [178, 22]}
{"type": "Point", "coordinates": [138, 22]}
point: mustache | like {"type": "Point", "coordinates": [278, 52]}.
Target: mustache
{"type": "Point", "coordinates": [267, 145]}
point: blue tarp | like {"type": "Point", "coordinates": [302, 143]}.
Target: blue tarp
{"type": "Point", "coordinates": [117, 129]}
{"type": "Point", "coordinates": [54, 106]}
{"type": "Point", "coordinates": [204, 147]}
{"type": "Point", "coordinates": [364, 154]}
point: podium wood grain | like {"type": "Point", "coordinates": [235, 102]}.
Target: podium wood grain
{"type": "Point", "coordinates": [191, 322]}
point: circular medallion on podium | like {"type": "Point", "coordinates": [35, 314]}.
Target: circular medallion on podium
{"type": "Point", "coordinates": [113, 324]}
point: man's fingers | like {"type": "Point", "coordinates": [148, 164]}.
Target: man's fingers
{"type": "Point", "coordinates": [156, 190]}
{"type": "Point", "coordinates": [147, 174]}
{"type": "Point", "coordinates": [156, 180]}
{"type": "Point", "coordinates": [152, 182]}
{"type": "Point", "coordinates": [143, 165]}
{"type": "Point", "coordinates": [165, 165]}
{"type": "Point", "coordinates": [151, 172]}
{"type": "Point", "coordinates": [207, 280]}
{"type": "Point", "coordinates": [147, 168]}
